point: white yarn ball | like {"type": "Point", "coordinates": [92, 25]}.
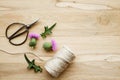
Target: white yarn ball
{"type": "Point", "coordinates": [59, 62]}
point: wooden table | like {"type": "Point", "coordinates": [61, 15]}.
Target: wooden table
{"type": "Point", "coordinates": [91, 28]}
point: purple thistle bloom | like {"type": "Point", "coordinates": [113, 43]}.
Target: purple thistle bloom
{"type": "Point", "coordinates": [34, 35]}
{"type": "Point", "coordinates": [54, 45]}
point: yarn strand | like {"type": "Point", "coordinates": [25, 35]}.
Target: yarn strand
{"type": "Point", "coordinates": [21, 53]}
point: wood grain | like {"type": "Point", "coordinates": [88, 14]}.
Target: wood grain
{"type": "Point", "coordinates": [89, 27]}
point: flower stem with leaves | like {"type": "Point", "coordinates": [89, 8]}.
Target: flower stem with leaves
{"type": "Point", "coordinates": [47, 31]}
{"type": "Point", "coordinates": [32, 65]}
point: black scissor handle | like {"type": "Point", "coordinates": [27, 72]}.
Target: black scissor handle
{"type": "Point", "coordinates": [16, 33]}
{"type": "Point", "coordinates": [17, 44]}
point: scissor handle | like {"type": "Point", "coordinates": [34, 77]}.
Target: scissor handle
{"type": "Point", "coordinates": [15, 34]}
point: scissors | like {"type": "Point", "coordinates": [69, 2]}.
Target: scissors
{"type": "Point", "coordinates": [19, 32]}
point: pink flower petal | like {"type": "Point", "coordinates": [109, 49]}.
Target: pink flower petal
{"type": "Point", "coordinates": [54, 45]}
{"type": "Point", "coordinates": [34, 35]}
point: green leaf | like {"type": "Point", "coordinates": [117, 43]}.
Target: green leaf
{"type": "Point", "coordinates": [47, 31]}
{"type": "Point", "coordinates": [32, 65]}
{"type": "Point", "coordinates": [28, 61]}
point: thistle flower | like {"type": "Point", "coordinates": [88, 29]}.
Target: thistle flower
{"type": "Point", "coordinates": [54, 45]}
{"type": "Point", "coordinates": [48, 46]}
{"type": "Point", "coordinates": [33, 37]}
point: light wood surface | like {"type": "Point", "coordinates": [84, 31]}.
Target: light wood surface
{"type": "Point", "coordinates": [91, 28]}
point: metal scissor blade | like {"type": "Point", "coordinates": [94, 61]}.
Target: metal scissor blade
{"type": "Point", "coordinates": [30, 25]}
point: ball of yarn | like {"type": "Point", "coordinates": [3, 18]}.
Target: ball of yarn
{"type": "Point", "coordinates": [59, 62]}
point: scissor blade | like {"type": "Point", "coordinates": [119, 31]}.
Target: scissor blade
{"type": "Point", "coordinates": [30, 25]}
